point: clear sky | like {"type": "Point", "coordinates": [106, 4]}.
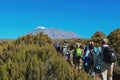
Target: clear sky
{"type": "Point", "coordinates": [84, 17]}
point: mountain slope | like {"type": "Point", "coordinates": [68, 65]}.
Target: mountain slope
{"type": "Point", "coordinates": [54, 33]}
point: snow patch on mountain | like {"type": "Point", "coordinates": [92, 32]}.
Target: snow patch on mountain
{"type": "Point", "coordinates": [55, 33]}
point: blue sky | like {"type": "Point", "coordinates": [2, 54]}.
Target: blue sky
{"type": "Point", "coordinates": [84, 17]}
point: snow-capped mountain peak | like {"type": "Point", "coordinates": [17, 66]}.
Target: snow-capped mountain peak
{"type": "Point", "coordinates": [55, 33]}
{"type": "Point", "coordinates": [40, 27]}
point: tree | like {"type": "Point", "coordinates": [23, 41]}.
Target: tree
{"type": "Point", "coordinates": [114, 38]}
{"type": "Point", "coordinates": [97, 37]}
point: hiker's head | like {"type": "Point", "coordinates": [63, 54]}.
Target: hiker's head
{"type": "Point", "coordinates": [104, 41]}
{"type": "Point", "coordinates": [91, 45]}
{"type": "Point", "coordinates": [92, 42]}
{"type": "Point", "coordinates": [78, 45]}
{"type": "Point", "coordinates": [81, 46]}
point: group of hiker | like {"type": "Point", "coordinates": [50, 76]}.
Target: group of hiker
{"type": "Point", "coordinates": [96, 61]}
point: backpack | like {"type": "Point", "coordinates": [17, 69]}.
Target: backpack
{"type": "Point", "coordinates": [64, 50]}
{"type": "Point", "coordinates": [78, 52]}
{"type": "Point", "coordinates": [109, 55]}
{"type": "Point", "coordinates": [89, 61]}
{"type": "Point", "coordinates": [98, 63]}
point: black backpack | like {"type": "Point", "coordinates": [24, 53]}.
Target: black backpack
{"type": "Point", "coordinates": [98, 63]}
{"type": "Point", "coordinates": [89, 61]}
{"type": "Point", "coordinates": [109, 55]}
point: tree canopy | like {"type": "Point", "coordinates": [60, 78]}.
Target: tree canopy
{"type": "Point", "coordinates": [97, 37]}
{"type": "Point", "coordinates": [114, 38]}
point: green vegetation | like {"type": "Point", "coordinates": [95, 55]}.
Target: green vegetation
{"type": "Point", "coordinates": [33, 57]}
{"type": "Point", "coordinates": [114, 39]}
{"type": "Point", "coordinates": [97, 38]}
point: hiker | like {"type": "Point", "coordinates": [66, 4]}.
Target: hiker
{"type": "Point", "coordinates": [82, 49]}
{"type": "Point", "coordinates": [89, 59]}
{"type": "Point", "coordinates": [86, 47]}
{"type": "Point", "coordinates": [72, 50]}
{"type": "Point", "coordinates": [107, 60]}
{"type": "Point", "coordinates": [57, 46]}
{"type": "Point", "coordinates": [68, 53]}
{"type": "Point", "coordinates": [65, 52]}
{"type": "Point", "coordinates": [78, 57]}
